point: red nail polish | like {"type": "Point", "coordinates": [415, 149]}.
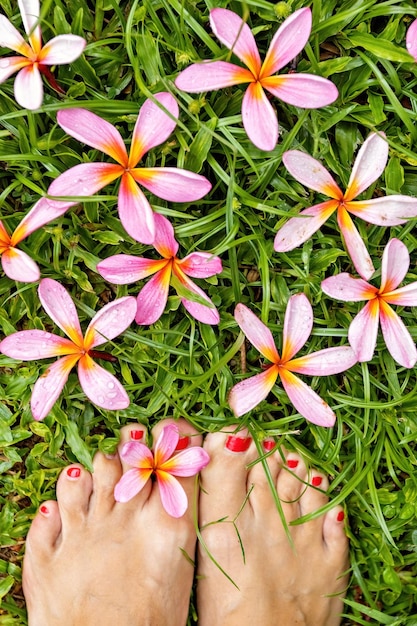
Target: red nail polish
{"type": "Point", "coordinates": [74, 472]}
{"type": "Point", "coordinates": [238, 444]}
{"type": "Point", "coordinates": [136, 435]}
{"type": "Point", "coordinates": [44, 509]}
{"type": "Point", "coordinates": [317, 480]}
{"type": "Point", "coordinates": [292, 463]}
{"type": "Point", "coordinates": [340, 516]}
{"type": "Point", "coordinates": [268, 445]}
{"type": "Point", "coordinates": [182, 443]}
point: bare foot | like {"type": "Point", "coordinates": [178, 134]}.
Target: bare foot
{"type": "Point", "coordinates": [93, 561]}
{"type": "Point", "coordinates": [277, 583]}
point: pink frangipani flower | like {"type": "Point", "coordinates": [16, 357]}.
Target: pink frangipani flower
{"type": "Point", "coordinates": [301, 90]}
{"type": "Point", "coordinates": [34, 59]}
{"type": "Point", "coordinates": [411, 39]}
{"type": "Point", "coordinates": [386, 211]}
{"type": "Point", "coordinates": [164, 464]}
{"type": "Point", "coordinates": [122, 269]}
{"type": "Point", "coordinates": [298, 323]}
{"type": "Point", "coordinates": [363, 330]}
{"type": "Point", "coordinates": [17, 265]}
{"type": "Point", "coordinates": [101, 387]}
{"type": "Point", "coordinates": [152, 128]}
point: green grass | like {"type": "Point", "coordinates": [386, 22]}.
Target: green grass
{"type": "Point", "coordinates": [179, 367]}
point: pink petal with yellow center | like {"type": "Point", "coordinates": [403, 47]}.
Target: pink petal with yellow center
{"type": "Point", "coordinates": [131, 483]}
{"type": "Point", "coordinates": [298, 229]}
{"type": "Point", "coordinates": [209, 75]}
{"type": "Point", "coordinates": [61, 309]}
{"type": "Point", "coordinates": [18, 265]}
{"type": "Point", "coordinates": [62, 49]}
{"type": "Point", "coordinates": [411, 39]}
{"type": "Point", "coordinates": [347, 288]}
{"type": "Point", "coordinates": [395, 264]}
{"type": "Point", "coordinates": [386, 211]}
{"type": "Point", "coordinates": [306, 401]}
{"type": "Point", "coordinates": [166, 444]}
{"type": "Point", "coordinates": [28, 88]}
{"type": "Point", "coordinates": [12, 39]}
{"type": "Point", "coordinates": [84, 179]}
{"type": "Point", "coordinates": [137, 455]}
{"type": "Point", "coordinates": [324, 363]}
{"type": "Point", "coordinates": [29, 345]}
{"type": "Point", "coordinates": [397, 338]}
{"type": "Point", "coordinates": [49, 385]}
{"type": "Point", "coordinates": [257, 332]}
{"type": "Point", "coordinates": [110, 321]}
{"type": "Point", "coordinates": [153, 125]}
{"type": "Point", "coordinates": [41, 213]}
{"type": "Point", "coordinates": [10, 65]}
{"type": "Point", "coordinates": [234, 33]}
{"type": "Point", "coordinates": [363, 331]}
{"type": "Point", "coordinates": [405, 296]}
{"type": "Point", "coordinates": [311, 173]}
{"type": "Point", "coordinates": [172, 183]}
{"type": "Point", "coordinates": [30, 10]}
{"type": "Point", "coordinates": [94, 131]}
{"type": "Point", "coordinates": [173, 496]}
{"type": "Point", "coordinates": [244, 396]}
{"type": "Point", "coordinates": [259, 118]}
{"type": "Point", "coordinates": [200, 265]}
{"type": "Point", "coordinates": [205, 314]}
{"type": "Point", "coordinates": [188, 462]}
{"type": "Point", "coordinates": [369, 165]}
{"type": "Point", "coordinates": [122, 269]}
{"type": "Point", "coordinates": [302, 90]}
{"type": "Point", "coordinates": [355, 244]}
{"type": "Point", "coordinates": [101, 387]}
{"type": "Point", "coordinates": [298, 323]}
{"type": "Point", "coordinates": [5, 240]}
{"type": "Point", "coordinates": [135, 212]}
{"type": "Point", "coordinates": [153, 297]}
{"type": "Point", "coordinates": [165, 241]}
{"type": "Point", "coordinates": [288, 41]}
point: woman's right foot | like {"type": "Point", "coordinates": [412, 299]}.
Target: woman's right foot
{"type": "Point", "coordinates": [275, 582]}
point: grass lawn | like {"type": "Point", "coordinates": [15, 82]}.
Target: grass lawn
{"type": "Point", "coordinates": [179, 366]}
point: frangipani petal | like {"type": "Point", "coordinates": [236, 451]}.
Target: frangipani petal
{"type": "Point", "coordinates": [29, 345]}
{"type": "Point", "coordinates": [347, 288]}
{"type": "Point", "coordinates": [369, 165]}
{"type": "Point", "coordinates": [288, 41]}
{"type": "Point", "coordinates": [62, 49]}
{"type": "Point", "coordinates": [12, 39]}
{"type": "Point", "coordinates": [244, 396]}
{"type": "Point", "coordinates": [258, 334]}
{"type": "Point", "coordinates": [61, 309]}
{"type": "Point", "coordinates": [131, 483]}
{"type": "Point", "coordinates": [411, 39]}
{"type": "Point", "coordinates": [30, 10]}
{"type": "Point", "coordinates": [49, 385]}
{"type": "Point", "coordinates": [10, 65]}
{"type": "Point", "coordinates": [122, 269]}
{"type": "Point", "coordinates": [188, 462]}
{"type": "Point", "coordinates": [306, 401]}
{"type": "Point", "coordinates": [166, 444]}
{"type": "Point", "coordinates": [386, 211]}
{"type": "Point", "coordinates": [205, 314]}
{"type": "Point", "coordinates": [110, 321]}
{"type": "Point", "coordinates": [41, 213]}
{"type": "Point", "coordinates": [28, 88]}
{"type": "Point", "coordinates": [18, 265]}
{"type": "Point", "coordinates": [298, 229]}
{"type": "Point", "coordinates": [92, 130]}
{"type": "Point", "coordinates": [209, 75]}
{"type": "Point", "coordinates": [173, 497]}
{"type": "Point", "coordinates": [135, 212]}
{"type": "Point", "coordinates": [355, 245]}
{"type": "Point", "coordinates": [397, 338]}
{"type": "Point", "coordinates": [259, 118]}
{"type": "Point", "coordinates": [234, 33]}
{"type": "Point", "coordinates": [101, 387]}
{"type": "Point", "coordinates": [395, 264]}
{"type": "Point", "coordinates": [311, 173]}
{"type": "Point", "coordinates": [324, 363]}
{"type": "Point", "coordinates": [405, 296]}
{"type": "Point", "coordinates": [165, 241]}
{"type": "Point", "coordinates": [200, 265]}
{"type": "Point", "coordinates": [152, 298]}
{"type": "Point", "coordinates": [84, 179]}
{"type": "Point", "coordinates": [153, 126]}
{"type": "Point", "coordinates": [302, 90]}
{"type": "Point", "coordinates": [137, 455]}
{"type": "Point", "coordinates": [298, 323]}
{"type": "Point", "coordinates": [363, 331]}
{"type": "Point", "coordinates": [172, 183]}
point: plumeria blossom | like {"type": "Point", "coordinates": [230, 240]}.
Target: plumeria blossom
{"type": "Point", "coordinates": [301, 90]}
{"type": "Point", "coordinates": [17, 265]}
{"type": "Point", "coordinates": [122, 269]}
{"type": "Point", "coordinates": [101, 387]}
{"type": "Point", "coordinates": [152, 128]}
{"type": "Point", "coordinates": [165, 465]}
{"type": "Point", "coordinates": [34, 58]}
{"type": "Point", "coordinates": [298, 323]}
{"type": "Point", "coordinates": [411, 39]}
{"type": "Point", "coordinates": [363, 330]}
{"type": "Point", "coordinates": [385, 211]}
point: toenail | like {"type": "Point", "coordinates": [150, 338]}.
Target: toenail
{"type": "Point", "coordinates": [340, 516]}
{"type": "Point", "coordinates": [136, 435]}
{"type": "Point", "coordinates": [74, 472]}
{"type": "Point", "coordinates": [268, 444]}
{"type": "Point", "coordinates": [44, 509]}
{"type": "Point", "coordinates": [182, 443]}
{"type": "Point", "coordinates": [292, 463]}
{"type": "Point", "coordinates": [317, 480]}
{"type": "Point", "coordinates": [238, 444]}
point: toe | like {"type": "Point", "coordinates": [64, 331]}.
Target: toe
{"type": "Point", "coordinates": [74, 489]}
{"type": "Point", "coordinates": [334, 530]}
{"type": "Point", "coordinates": [45, 528]}
{"type": "Point", "coordinates": [107, 472]}
{"type": "Point", "coordinates": [291, 485]}
{"type": "Point", "coordinates": [314, 496]}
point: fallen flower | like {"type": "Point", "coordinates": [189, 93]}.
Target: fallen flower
{"type": "Point", "coordinates": [298, 323]}
{"type": "Point", "coordinates": [301, 90]}
{"type": "Point", "coordinates": [411, 39]}
{"type": "Point", "coordinates": [152, 128]}
{"type": "Point", "coordinates": [387, 211]}
{"type": "Point", "coordinates": [363, 330]}
{"type": "Point", "coordinates": [34, 59]}
{"type": "Point", "coordinates": [165, 465]}
{"type": "Point", "coordinates": [101, 387]}
{"type": "Point", "coordinates": [122, 269]}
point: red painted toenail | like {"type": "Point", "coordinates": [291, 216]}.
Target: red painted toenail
{"type": "Point", "coordinates": [292, 463]}
{"type": "Point", "coordinates": [340, 516]}
{"type": "Point", "coordinates": [268, 445]}
{"type": "Point", "coordinates": [238, 444]}
{"type": "Point", "coordinates": [317, 480]}
{"type": "Point", "coordinates": [74, 472]}
{"type": "Point", "coordinates": [182, 443]}
{"type": "Point", "coordinates": [136, 435]}
{"type": "Point", "coordinates": [44, 509]}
